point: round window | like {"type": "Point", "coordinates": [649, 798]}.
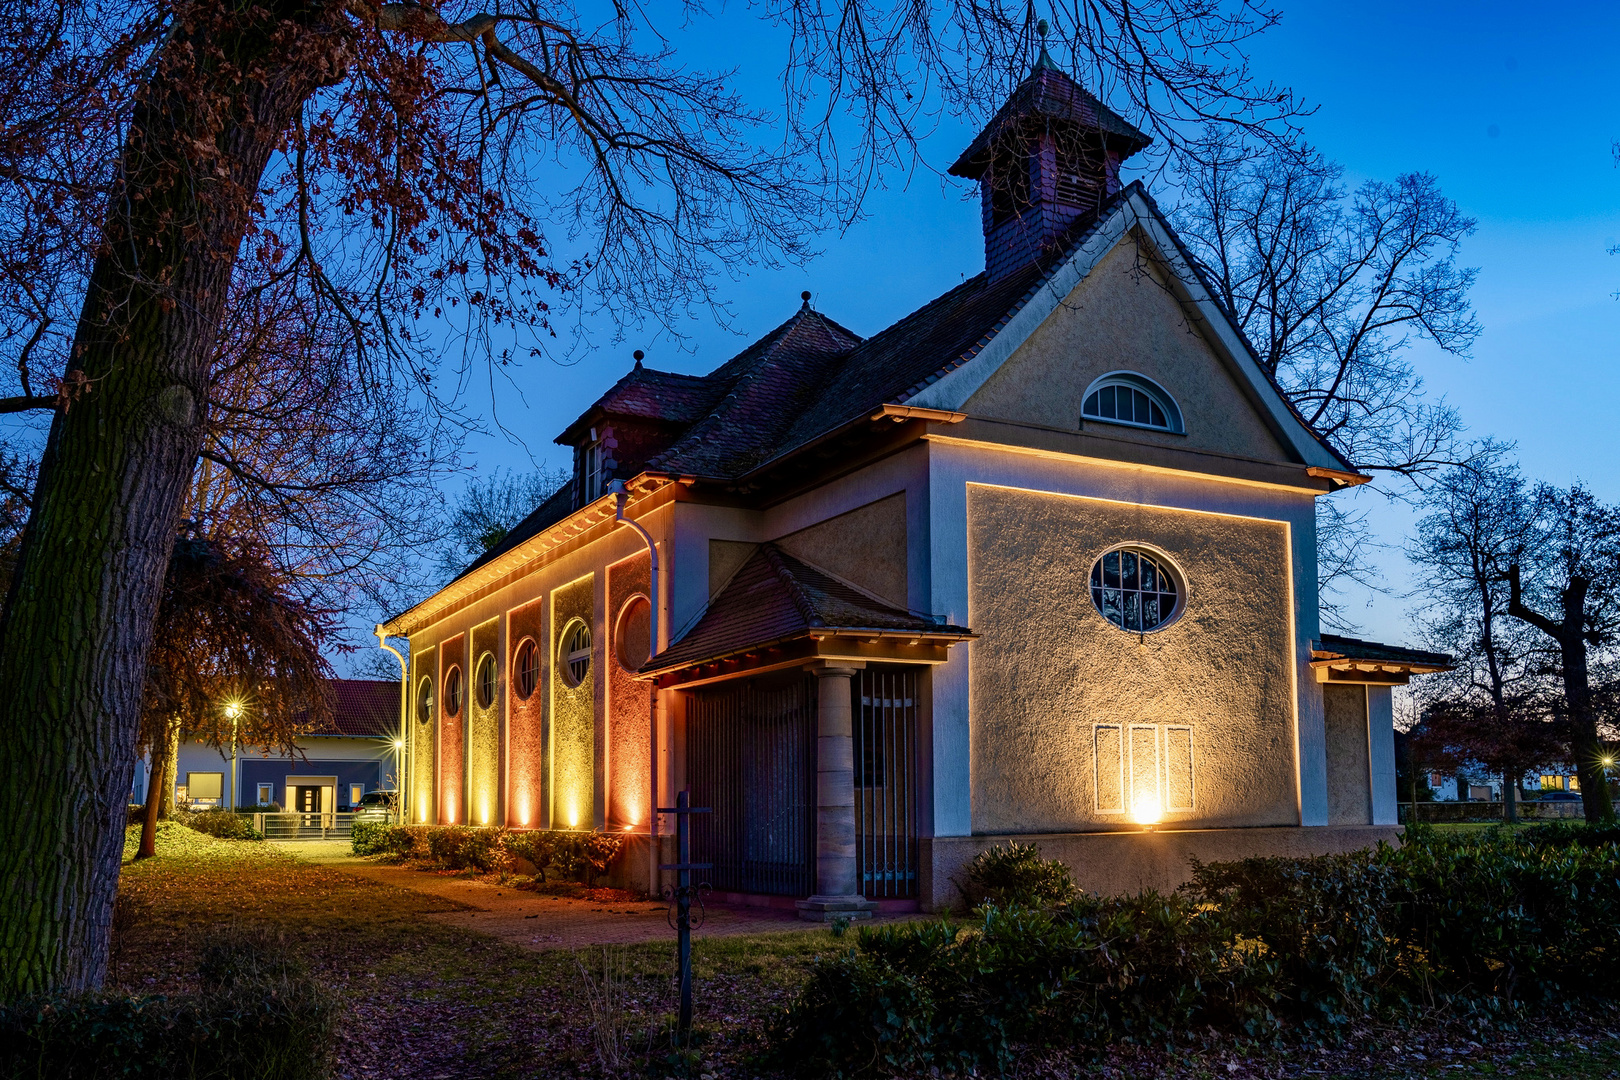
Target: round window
{"type": "Point", "coordinates": [452, 692]}
{"type": "Point", "coordinates": [632, 643]}
{"type": "Point", "coordinates": [526, 668]}
{"type": "Point", "coordinates": [484, 681]}
{"type": "Point", "coordinates": [1136, 590]}
{"type": "Point", "coordinates": [574, 655]}
{"type": "Point", "coordinates": [424, 700]}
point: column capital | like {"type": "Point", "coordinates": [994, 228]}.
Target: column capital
{"type": "Point", "coordinates": [829, 668]}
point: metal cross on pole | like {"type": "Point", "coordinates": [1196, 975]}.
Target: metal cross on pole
{"type": "Point", "coordinates": [681, 896]}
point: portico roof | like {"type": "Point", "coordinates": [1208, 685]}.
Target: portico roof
{"type": "Point", "coordinates": [777, 607]}
{"type": "Point", "coordinates": [1352, 660]}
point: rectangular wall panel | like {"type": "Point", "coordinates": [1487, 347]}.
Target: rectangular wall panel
{"type": "Point", "coordinates": [1178, 768]}
{"type": "Point", "coordinates": [1145, 766]}
{"type": "Point", "coordinates": [1110, 757]}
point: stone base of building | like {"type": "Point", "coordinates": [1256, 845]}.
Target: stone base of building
{"type": "Point", "coordinates": [1122, 863]}
{"type": "Point", "coordinates": [830, 908]}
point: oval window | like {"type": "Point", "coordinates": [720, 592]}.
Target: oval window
{"type": "Point", "coordinates": [484, 681]}
{"type": "Point", "coordinates": [424, 700]}
{"type": "Point", "coordinates": [632, 641]}
{"type": "Point", "coordinates": [526, 668]}
{"type": "Point", "coordinates": [452, 692]}
{"type": "Point", "coordinates": [574, 654]}
{"type": "Point", "coordinates": [1136, 590]}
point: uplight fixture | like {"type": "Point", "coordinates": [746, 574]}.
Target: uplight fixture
{"type": "Point", "coordinates": [1147, 811]}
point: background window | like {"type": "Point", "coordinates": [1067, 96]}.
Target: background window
{"type": "Point", "coordinates": [356, 793]}
{"type": "Point", "coordinates": [205, 785]}
{"type": "Point", "coordinates": [484, 681]}
{"type": "Point", "coordinates": [266, 795]}
{"type": "Point", "coordinates": [526, 668]}
{"type": "Point", "coordinates": [1134, 590]}
{"type": "Point", "coordinates": [576, 652]}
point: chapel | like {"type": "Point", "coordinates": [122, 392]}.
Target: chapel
{"type": "Point", "coordinates": [1035, 562]}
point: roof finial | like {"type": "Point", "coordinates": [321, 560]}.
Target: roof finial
{"type": "Point", "coordinates": [640, 356]}
{"type": "Point", "coordinates": [1044, 60]}
{"type": "Point", "coordinates": [805, 296]}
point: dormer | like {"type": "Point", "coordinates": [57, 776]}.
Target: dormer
{"type": "Point", "coordinates": [1049, 157]}
{"type": "Point", "coordinates": [640, 417]}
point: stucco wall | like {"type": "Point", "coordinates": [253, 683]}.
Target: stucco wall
{"type": "Point", "coordinates": [866, 546]}
{"type": "Point", "coordinates": [484, 730]}
{"type": "Point", "coordinates": [424, 735]}
{"type": "Point", "coordinates": [451, 786]}
{"type": "Point", "coordinates": [1122, 316]}
{"type": "Point", "coordinates": [526, 722]}
{"type": "Point", "coordinates": [1348, 768]}
{"type": "Point", "coordinates": [1048, 668]}
{"type": "Point", "coordinates": [629, 701]}
{"type": "Point", "coordinates": [573, 718]}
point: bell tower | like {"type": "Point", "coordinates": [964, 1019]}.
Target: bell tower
{"type": "Point", "coordinates": [1048, 158]}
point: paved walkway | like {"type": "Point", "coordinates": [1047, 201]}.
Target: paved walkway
{"type": "Point", "coordinates": [549, 922]}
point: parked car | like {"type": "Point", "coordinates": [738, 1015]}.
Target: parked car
{"type": "Point", "coordinates": [1560, 796]}
{"type": "Point", "coordinates": [377, 806]}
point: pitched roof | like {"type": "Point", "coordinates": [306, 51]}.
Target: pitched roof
{"type": "Point", "coordinates": [1049, 94]}
{"type": "Point", "coordinates": [662, 396]}
{"type": "Point", "coordinates": [362, 709]}
{"type": "Point", "coordinates": [774, 597]}
{"type": "Point", "coordinates": [1337, 647]}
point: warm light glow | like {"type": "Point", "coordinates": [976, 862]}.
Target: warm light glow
{"type": "Point", "coordinates": [450, 809]}
{"type": "Point", "coordinates": [422, 810]}
{"type": "Point", "coordinates": [233, 709]}
{"type": "Point", "coordinates": [1608, 761]}
{"type": "Point", "coordinates": [627, 828]}
{"type": "Point", "coordinates": [523, 812]}
{"type": "Point", "coordinates": [483, 813]}
{"type": "Point", "coordinates": [399, 744]}
{"type": "Point", "coordinates": [1146, 811]}
{"type": "Point", "coordinates": [573, 817]}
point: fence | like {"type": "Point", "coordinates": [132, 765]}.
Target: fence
{"type": "Point", "coordinates": [1439, 813]}
{"type": "Point", "coordinates": [304, 826]}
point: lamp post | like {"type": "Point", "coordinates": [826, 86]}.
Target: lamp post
{"type": "Point", "coordinates": [233, 709]}
{"type": "Point", "coordinates": [401, 789]}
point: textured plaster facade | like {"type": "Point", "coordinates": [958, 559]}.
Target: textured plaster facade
{"type": "Point", "coordinates": [1047, 669]}
{"type": "Point", "coordinates": [573, 710]}
{"type": "Point", "coordinates": [526, 722]}
{"type": "Point", "coordinates": [484, 729]}
{"type": "Point", "coordinates": [424, 750]}
{"type": "Point", "coordinates": [1348, 755]}
{"type": "Point", "coordinates": [629, 745]}
{"type": "Point", "coordinates": [452, 725]}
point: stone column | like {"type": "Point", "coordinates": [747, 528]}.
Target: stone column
{"type": "Point", "coordinates": [838, 886]}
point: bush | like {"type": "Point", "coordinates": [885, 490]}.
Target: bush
{"type": "Point", "coordinates": [1485, 923]}
{"type": "Point", "coordinates": [1016, 874]}
{"type": "Point", "coordinates": [259, 1017]}
{"type": "Point", "coordinates": [225, 824]}
{"type": "Point", "coordinates": [556, 856]}
{"type": "Point", "coordinates": [381, 838]}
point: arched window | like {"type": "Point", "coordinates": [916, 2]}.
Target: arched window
{"type": "Point", "coordinates": [453, 688]}
{"type": "Point", "coordinates": [1136, 590]}
{"type": "Point", "coordinates": [575, 652]}
{"type": "Point", "coordinates": [484, 681]}
{"type": "Point", "coordinates": [526, 669]}
{"type": "Point", "coordinates": [1124, 397]}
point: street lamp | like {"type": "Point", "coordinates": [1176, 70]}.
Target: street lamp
{"type": "Point", "coordinates": [233, 710]}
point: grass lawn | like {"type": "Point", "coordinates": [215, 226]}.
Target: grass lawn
{"type": "Point", "coordinates": [432, 1001]}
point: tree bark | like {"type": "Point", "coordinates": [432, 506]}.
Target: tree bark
{"type": "Point", "coordinates": [171, 773]}
{"type": "Point", "coordinates": [78, 621]}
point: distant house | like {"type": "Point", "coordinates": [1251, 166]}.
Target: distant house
{"type": "Point", "coordinates": [334, 767]}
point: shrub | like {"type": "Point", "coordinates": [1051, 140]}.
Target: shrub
{"type": "Point", "coordinates": [260, 1017]}
{"type": "Point", "coordinates": [1483, 923]}
{"type": "Point", "coordinates": [1016, 874]}
{"type": "Point", "coordinates": [557, 856]}
{"type": "Point", "coordinates": [225, 824]}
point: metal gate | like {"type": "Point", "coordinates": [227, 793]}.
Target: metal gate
{"type": "Point", "coordinates": [751, 756]}
{"type": "Point", "coordinates": [885, 716]}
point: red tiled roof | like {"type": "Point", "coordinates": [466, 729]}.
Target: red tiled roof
{"type": "Point", "coordinates": [774, 597]}
{"type": "Point", "coordinates": [663, 396]}
{"type": "Point", "coordinates": [362, 709]}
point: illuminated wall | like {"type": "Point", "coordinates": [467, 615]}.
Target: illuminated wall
{"type": "Point", "coordinates": [573, 710]}
{"type": "Point", "coordinates": [424, 730]}
{"type": "Point", "coordinates": [484, 730]}
{"type": "Point", "coordinates": [1211, 695]}
{"type": "Point", "coordinates": [525, 747]}
{"type": "Point", "coordinates": [451, 786]}
{"type": "Point", "coordinates": [629, 719]}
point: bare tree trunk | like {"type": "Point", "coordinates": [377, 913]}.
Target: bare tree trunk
{"type": "Point", "coordinates": [78, 622]}
{"type": "Point", "coordinates": [171, 773]}
{"type": "Point", "coordinates": [156, 786]}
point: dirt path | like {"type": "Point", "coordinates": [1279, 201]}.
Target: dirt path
{"type": "Point", "coordinates": [549, 922]}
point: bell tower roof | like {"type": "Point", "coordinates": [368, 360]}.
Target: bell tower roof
{"type": "Point", "coordinates": [1048, 97]}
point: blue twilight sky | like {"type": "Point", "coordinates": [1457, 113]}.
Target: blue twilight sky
{"type": "Point", "coordinates": [1513, 111]}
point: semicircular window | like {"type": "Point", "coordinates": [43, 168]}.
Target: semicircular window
{"type": "Point", "coordinates": [1135, 590]}
{"type": "Point", "coordinates": [1124, 397]}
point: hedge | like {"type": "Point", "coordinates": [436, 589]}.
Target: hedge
{"type": "Point", "coordinates": [260, 1016]}
{"type": "Point", "coordinates": [556, 856]}
{"type": "Point", "coordinates": [1488, 924]}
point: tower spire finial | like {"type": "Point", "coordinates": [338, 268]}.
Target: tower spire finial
{"type": "Point", "coordinates": [1044, 59]}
